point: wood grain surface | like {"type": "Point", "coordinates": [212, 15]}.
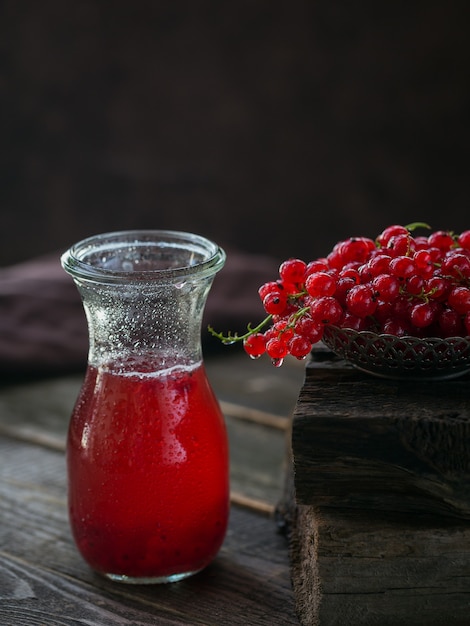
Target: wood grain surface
{"type": "Point", "coordinates": [367, 442]}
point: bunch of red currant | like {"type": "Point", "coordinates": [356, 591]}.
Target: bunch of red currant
{"type": "Point", "coordinates": [399, 284]}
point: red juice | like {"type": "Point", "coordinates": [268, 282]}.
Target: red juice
{"type": "Point", "coordinates": [147, 463]}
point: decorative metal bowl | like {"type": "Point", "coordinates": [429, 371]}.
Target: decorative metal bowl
{"type": "Point", "coordinates": [402, 358]}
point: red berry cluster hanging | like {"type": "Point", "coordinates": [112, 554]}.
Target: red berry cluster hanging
{"type": "Point", "coordinates": [399, 284]}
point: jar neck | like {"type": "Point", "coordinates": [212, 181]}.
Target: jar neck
{"type": "Point", "coordinates": [158, 324]}
{"type": "Point", "coordinates": [144, 294]}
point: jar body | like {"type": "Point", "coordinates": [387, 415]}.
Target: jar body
{"type": "Point", "coordinates": [147, 468]}
{"type": "Point", "coordinates": [147, 451]}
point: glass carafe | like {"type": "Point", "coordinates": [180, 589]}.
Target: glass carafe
{"type": "Point", "coordinates": [147, 451]}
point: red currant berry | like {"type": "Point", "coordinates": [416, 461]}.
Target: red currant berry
{"type": "Point", "coordinates": [319, 265]}
{"type": "Point", "coordinates": [401, 245]}
{"type": "Point", "coordinates": [397, 327]}
{"type": "Point", "coordinates": [335, 260]}
{"type": "Point", "coordinates": [326, 310]}
{"type": "Point", "coordinates": [391, 231]}
{"type": "Point", "coordinates": [386, 287]}
{"type": "Point", "coordinates": [270, 287]}
{"type": "Point", "coordinates": [299, 346]}
{"type": "Point", "coordinates": [353, 322]}
{"type": "Point", "coordinates": [290, 288]}
{"type": "Point", "coordinates": [424, 263]}
{"type": "Point", "coordinates": [255, 345]}
{"type": "Point", "coordinates": [293, 271]}
{"type": "Point", "coordinates": [436, 254]}
{"type": "Point", "coordinates": [275, 303]}
{"type": "Point", "coordinates": [320, 284]}
{"type": "Point", "coordinates": [450, 323]}
{"type": "Point", "coordinates": [456, 265]}
{"type": "Point", "coordinates": [421, 243]}
{"type": "Point", "coordinates": [437, 288]}
{"type": "Point", "coordinates": [365, 273]}
{"type": "Point", "coordinates": [361, 300]}
{"type": "Point", "coordinates": [351, 272]}
{"type": "Point", "coordinates": [464, 239]}
{"type": "Point", "coordinates": [402, 266]}
{"type": "Point", "coordinates": [441, 239]}
{"type": "Point", "coordinates": [459, 299]}
{"type": "Point", "coordinates": [308, 328]}
{"type": "Point", "coordinates": [422, 314]}
{"type": "Point", "coordinates": [342, 288]}
{"type": "Point", "coordinates": [276, 348]}
{"type": "Point", "coordinates": [400, 308]}
{"type": "Point", "coordinates": [270, 333]}
{"type": "Point", "coordinates": [356, 249]}
{"type": "Point", "coordinates": [383, 311]}
{"type": "Point", "coordinates": [283, 330]}
{"type": "Point", "coordinates": [414, 285]}
{"type": "Point", "coordinates": [379, 264]}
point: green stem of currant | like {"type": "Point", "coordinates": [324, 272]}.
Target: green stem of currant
{"type": "Point", "coordinates": [414, 225]}
{"type": "Point", "coordinates": [229, 339]}
{"type": "Point", "coordinates": [295, 316]}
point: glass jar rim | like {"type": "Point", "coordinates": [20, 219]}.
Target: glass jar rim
{"type": "Point", "coordinates": [209, 258]}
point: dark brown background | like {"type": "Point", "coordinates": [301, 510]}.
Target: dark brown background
{"type": "Point", "coordinates": [271, 126]}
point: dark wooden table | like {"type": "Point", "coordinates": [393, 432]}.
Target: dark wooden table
{"type": "Point", "coordinates": [44, 581]}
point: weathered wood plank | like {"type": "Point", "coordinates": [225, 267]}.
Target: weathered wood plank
{"type": "Point", "coordinates": [379, 570]}
{"type": "Point", "coordinates": [364, 442]}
